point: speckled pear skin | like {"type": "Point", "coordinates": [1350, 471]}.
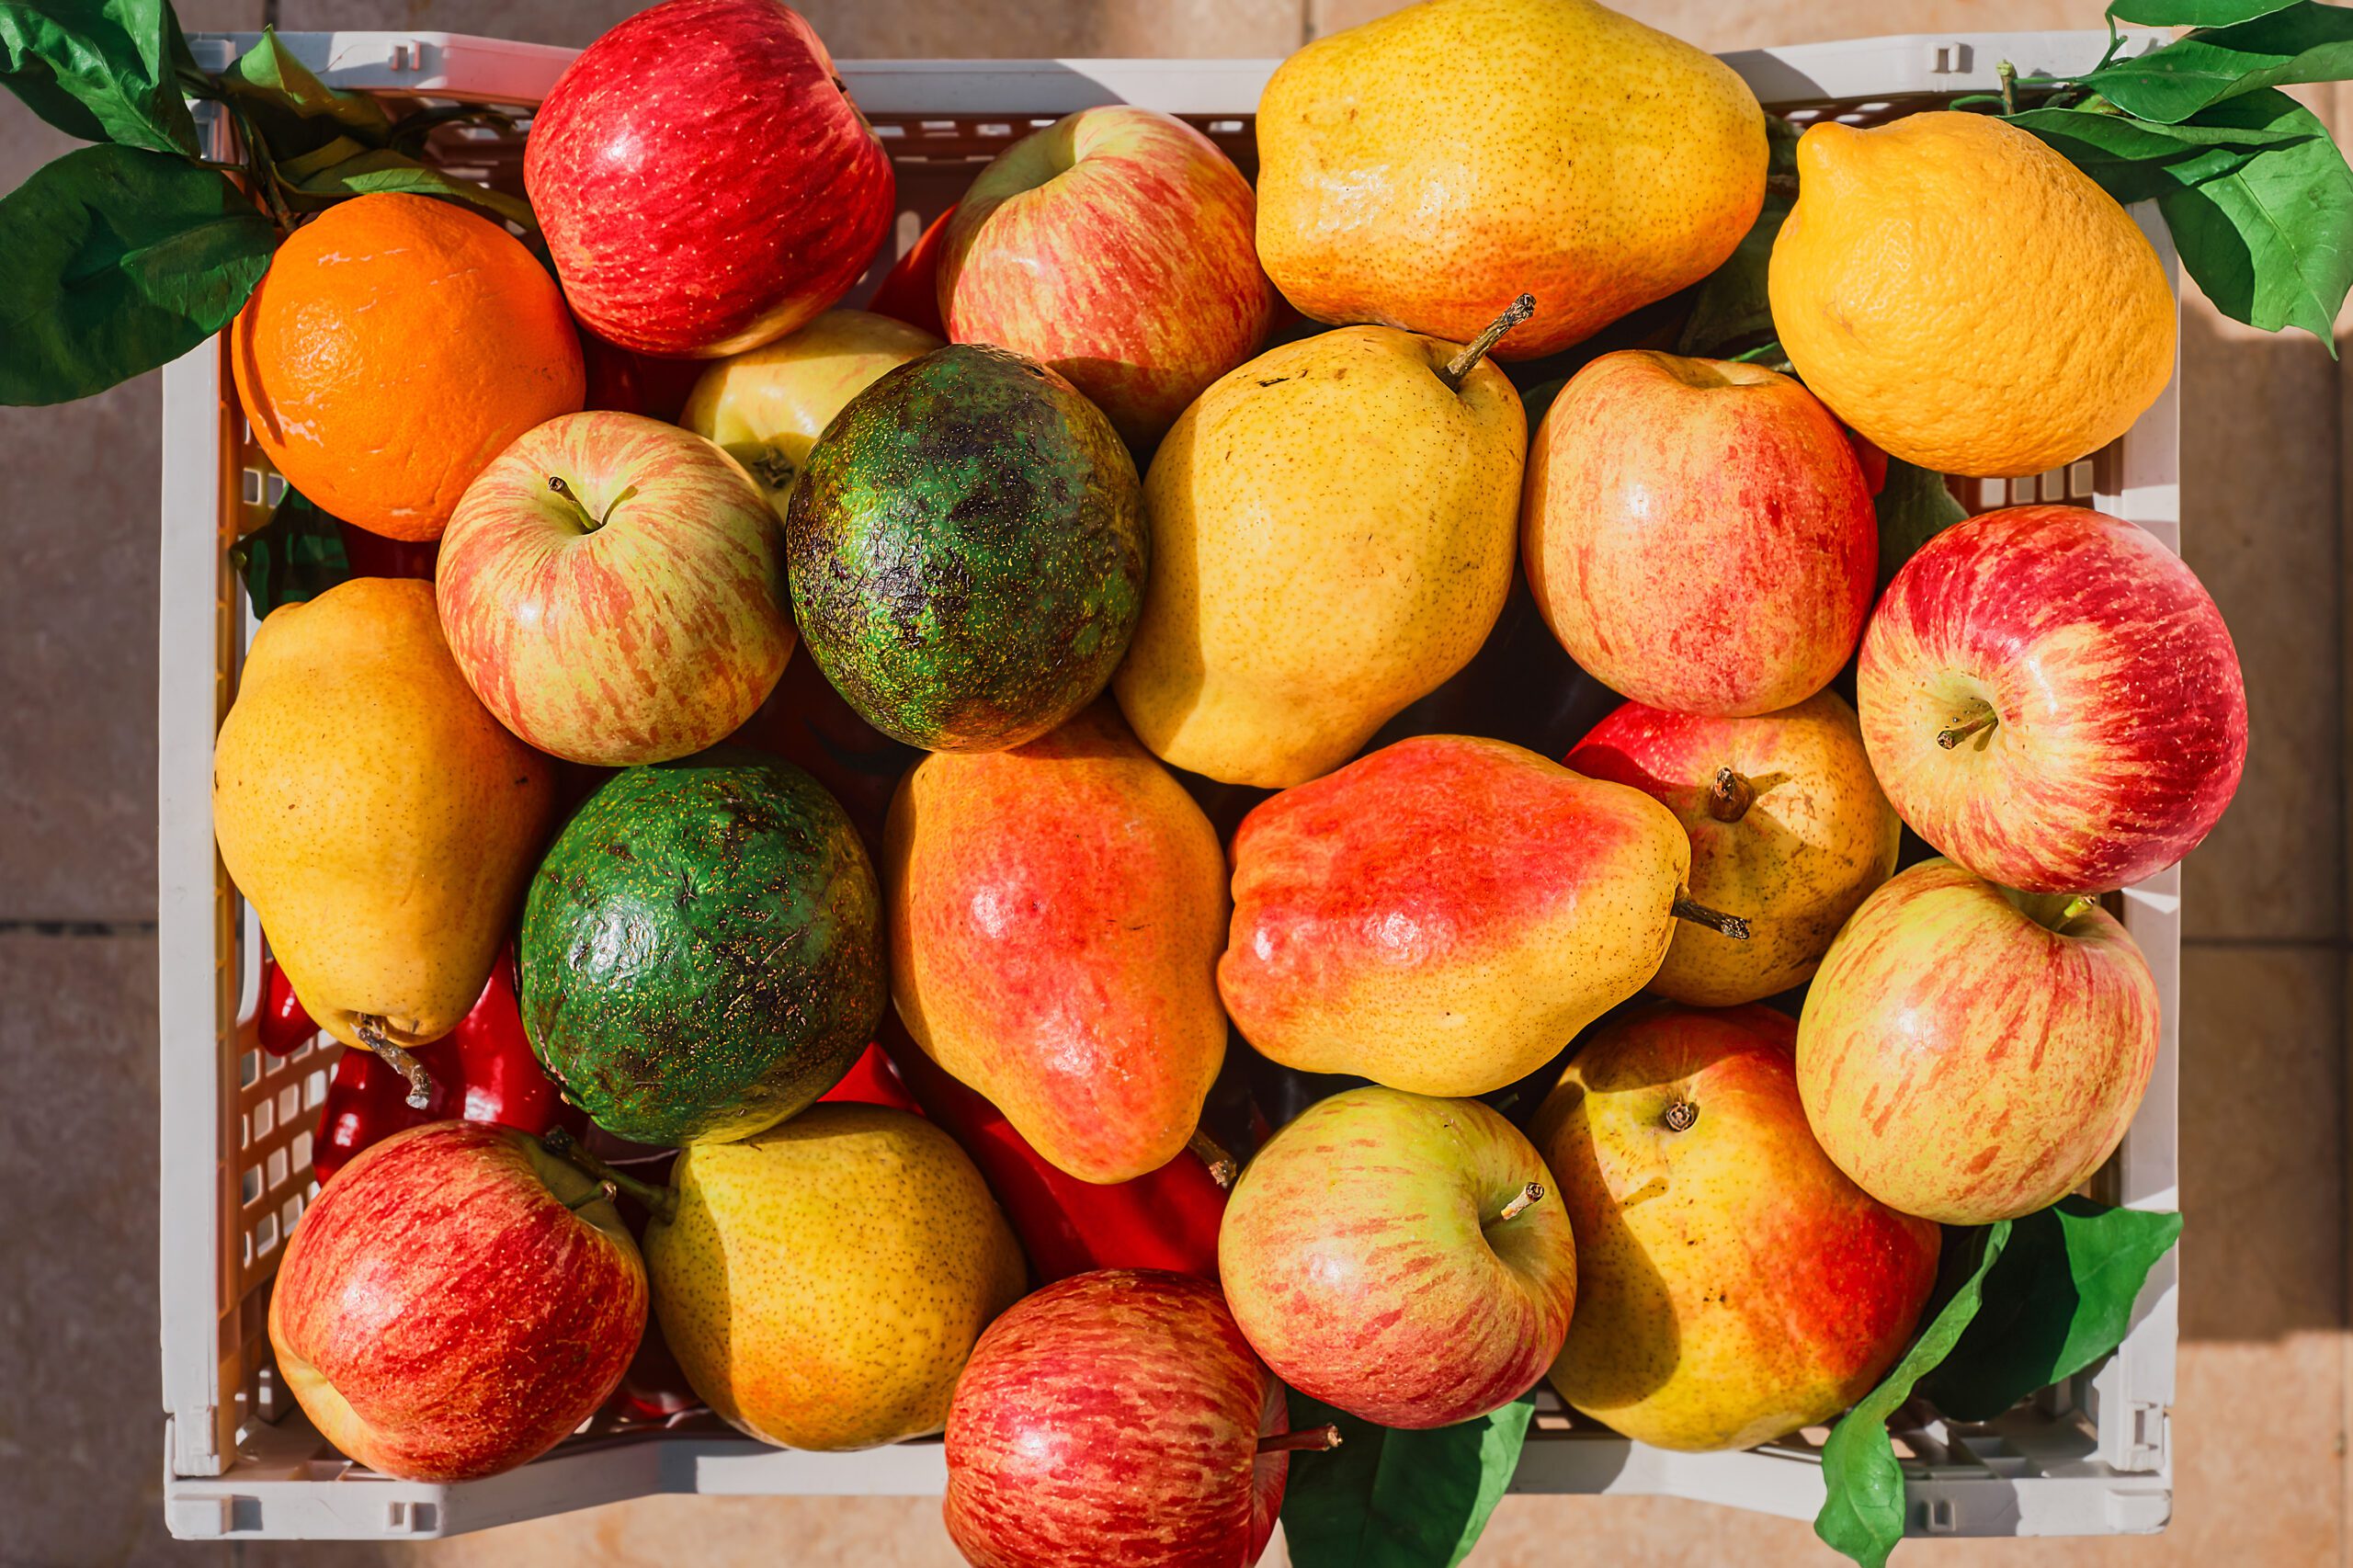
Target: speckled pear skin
{"type": "Point", "coordinates": [823, 1283]}
{"type": "Point", "coordinates": [967, 551]}
{"type": "Point", "coordinates": [702, 948]}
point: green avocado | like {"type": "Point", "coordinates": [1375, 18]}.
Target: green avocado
{"type": "Point", "coordinates": [702, 949]}
{"type": "Point", "coordinates": [967, 550]}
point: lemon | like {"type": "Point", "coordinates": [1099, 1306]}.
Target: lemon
{"type": "Point", "coordinates": [1966, 297]}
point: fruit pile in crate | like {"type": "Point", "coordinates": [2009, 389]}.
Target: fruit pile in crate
{"type": "Point", "coordinates": [1009, 867]}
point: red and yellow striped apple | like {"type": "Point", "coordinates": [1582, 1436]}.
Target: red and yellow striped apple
{"type": "Point", "coordinates": [613, 589]}
{"type": "Point", "coordinates": [1116, 246]}
{"type": "Point", "coordinates": [1732, 1286]}
{"type": "Point", "coordinates": [1699, 533]}
{"type": "Point", "coordinates": [1114, 1420]}
{"type": "Point", "coordinates": [1969, 1054]}
{"type": "Point", "coordinates": [704, 182]}
{"type": "Point", "coordinates": [1789, 831]}
{"type": "Point", "coordinates": [1400, 1257]}
{"type": "Point", "coordinates": [455, 1302]}
{"type": "Point", "coordinates": [2051, 698]}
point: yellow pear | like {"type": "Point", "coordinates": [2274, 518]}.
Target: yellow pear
{"type": "Point", "coordinates": [377, 817]}
{"type": "Point", "coordinates": [766, 406]}
{"type": "Point", "coordinates": [1425, 167]}
{"type": "Point", "coordinates": [823, 1283]}
{"type": "Point", "coordinates": [1334, 528]}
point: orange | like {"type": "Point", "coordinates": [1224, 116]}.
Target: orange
{"type": "Point", "coordinates": [395, 346]}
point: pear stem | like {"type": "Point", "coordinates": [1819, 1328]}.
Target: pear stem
{"type": "Point", "coordinates": [1211, 1152]}
{"type": "Point", "coordinates": [370, 1031]}
{"type": "Point", "coordinates": [1730, 796]}
{"type": "Point", "coordinates": [1716, 920]}
{"type": "Point", "coordinates": [1309, 1439]}
{"type": "Point", "coordinates": [2007, 75]}
{"type": "Point", "coordinates": [603, 1192]}
{"type": "Point", "coordinates": [662, 1202]}
{"type": "Point", "coordinates": [1532, 1193]}
{"type": "Point", "coordinates": [1458, 369]}
{"type": "Point", "coordinates": [1954, 735]}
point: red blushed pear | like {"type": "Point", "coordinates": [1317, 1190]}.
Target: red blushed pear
{"type": "Point", "coordinates": [2051, 698]}
{"type": "Point", "coordinates": [1118, 1420]}
{"type": "Point", "coordinates": [1114, 245]}
{"type": "Point", "coordinates": [1732, 1286]}
{"type": "Point", "coordinates": [1400, 1257]}
{"type": "Point", "coordinates": [703, 180]}
{"type": "Point", "coordinates": [1969, 1054]}
{"type": "Point", "coordinates": [1789, 831]}
{"type": "Point", "coordinates": [455, 1302]}
{"type": "Point", "coordinates": [1446, 914]}
{"type": "Point", "coordinates": [1699, 533]}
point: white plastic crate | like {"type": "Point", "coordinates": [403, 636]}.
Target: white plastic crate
{"type": "Point", "coordinates": [2089, 1458]}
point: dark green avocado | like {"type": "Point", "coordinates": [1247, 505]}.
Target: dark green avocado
{"type": "Point", "coordinates": [702, 949]}
{"type": "Point", "coordinates": [967, 550]}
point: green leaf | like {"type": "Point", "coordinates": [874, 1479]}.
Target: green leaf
{"type": "Point", "coordinates": [1862, 1516]}
{"type": "Point", "coordinates": [1393, 1499]}
{"type": "Point", "coordinates": [1730, 313]}
{"type": "Point", "coordinates": [2136, 160]}
{"type": "Point", "coordinates": [1914, 506]}
{"type": "Point", "coordinates": [295, 112]}
{"type": "Point", "coordinates": [2304, 42]}
{"type": "Point", "coordinates": [101, 70]}
{"type": "Point", "coordinates": [2193, 13]}
{"type": "Point", "coordinates": [377, 171]}
{"type": "Point", "coordinates": [114, 260]}
{"type": "Point", "coordinates": [297, 555]}
{"type": "Point", "coordinates": [2060, 1299]}
{"type": "Point", "coordinates": [2270, 239]}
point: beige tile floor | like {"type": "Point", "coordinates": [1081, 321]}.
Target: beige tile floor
{"type": "Point", "coordinates": [2262, 1420]}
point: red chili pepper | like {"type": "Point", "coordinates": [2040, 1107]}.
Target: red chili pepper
{"type": "Point", "coordinates": [872, 1081]}
{"type": "Point", "coordinates": [281, 1020]}
{"type": "Point", "coordinates": [629, 382]}
{"type": "Point", "coordinates": [1167, 1219]}
{"type": "Point", "coordinates": [910, 291]}
{"type": "Point", "coordinates": [482, 1071]}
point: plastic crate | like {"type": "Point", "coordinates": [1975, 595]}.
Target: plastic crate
{"type": "Point", "coordinates": [2090, 1458]}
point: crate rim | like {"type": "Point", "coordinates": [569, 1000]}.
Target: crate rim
{"type": "Point", "coordinates": [2013, 1478]}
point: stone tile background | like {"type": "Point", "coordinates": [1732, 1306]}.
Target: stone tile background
{"type": "Point", "coordinates": [2262, 1419]}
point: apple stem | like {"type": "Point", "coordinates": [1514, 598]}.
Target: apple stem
{"type": "Point", "coordinates": [662, 1202]}
{"type": "Point", "coordinates": [1680, 1116]}
{"type": "Point", "coordinates": [603, 1192]}
{"type": "Point", "coordinates": [1309, 1439]}
{"type": "Point", "coordinates": [1458, 369]}
{"type": "Point", "coordinates": [556, 483]}
{"type": "Point", "coordinates": [1222, 1167]}
{"type": "Point", "coordinates": [1952, 736]}
{"type": "Point", "coordinates": [1532, 1193]}
{"type": "Point", "coordinates": [370, 1031]}
{"type": "Point", "coordinates": [1730, 796]}
{"type": "Point", "coordinates": [1686, 908]}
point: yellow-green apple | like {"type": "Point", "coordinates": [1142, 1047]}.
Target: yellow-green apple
{"type": "Point", "coordinates": [1114, 245]}
{"type": "Point", "coordinates": [1789, 831]}
{"type": "Point", "coordinates": [1115, 1420]}
{"type": "Point", "coordinates": [1733, 1285]}
{"type": "Point", "coordinates": [455, 1302]}
{"type": "Point", "coordinates": [1444, 914]}
{"type": "Point", "coordinates": [1401, 1257]}
{"type": "Point", "coordinates": [766, 406]}
{"type": "Point", "coordinates": [703, 180]}
{"type": "Point", "coordinates": [1969, 1054]}
{"type": "Point", "coordinates": [613, 589]}
{"type": "Point", "coordinates": [2050, 698]}
{"type": "Point", "coordinates": [1699, 533]}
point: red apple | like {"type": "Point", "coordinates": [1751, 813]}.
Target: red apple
{"type": "Point", "coordinates": [2051, 698]}
{"type": "Point", "coordinates": [910, 291]}
{"type": "Point", "coordinates": [1732, 1286]}
{"type": "Point", "coordinates": [703, 181]}
{"type": "Point", "coordinates": [1114, 245]}
{"type": "Point", "coordinates": [1699, 533]}
{"type": "Point", "coordinates": [1114, 1420]}
{"type": "Point", "coordinates": [612, 588]}
{"type": "Point", "coordinates": [455, 1303]}
{"type": "Point", "coordinates": [1968, 1053]}
{"type": "Point", "coordinates": [1403, 1258]}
